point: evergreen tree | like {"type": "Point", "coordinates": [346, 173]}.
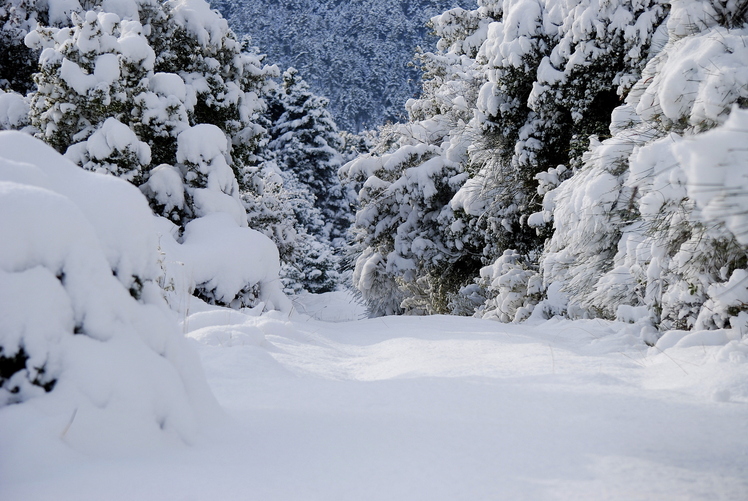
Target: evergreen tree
{"type": "Point", "coordinates": [509, 102]}
{"type": "Point", "coordinates": [89, 74]}
{"type": "Point", "coordinates": [162, 95]}
{"type": "Point", "coordinates": [647, 240]}
{"type": "Point", "coordinates": [305, 141]}
{"type": "Point", "coordinates": [17, 62]}
{"type": "Point", "coordinates": [556, 71]}
{"type": "Point", "coordinates": [282, 208]}
{"type": "Point", "coordinates": [407, 257]}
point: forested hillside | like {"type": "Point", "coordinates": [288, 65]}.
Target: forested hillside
{"type": "Point", "coordinates": [358, 54]}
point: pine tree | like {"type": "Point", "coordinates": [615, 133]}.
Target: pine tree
{"type": "Point", "coordinates": [282, 208]}
{"type": "Point", "coordinates": [17, 62]}
{"type": "Point", "coordinates": [646, 240]}
{"type": "Point", "coordinates": [163, 96]}
{"type": "Point", "coordinates": [157, 72]}
{"type": "Point", "coordinates": [306, 142]}
{"type": "Point", "coordinates": [91, 72]}
{"type": "Point", "coordinates": [510, 100]}
{"type": "Point", "coordinates": [555, 73]}
{"type": "Point", "coordinates": [407, 255]}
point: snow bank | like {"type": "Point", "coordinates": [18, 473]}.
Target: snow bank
{"type": "Point", "coordinates": [90, 355]}
{"type": "Point", "coordinates": [225, 263]}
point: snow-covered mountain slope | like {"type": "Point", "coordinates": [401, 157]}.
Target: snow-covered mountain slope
{"type": "Point", "coordinates": [357, 54]}
{"type": "Point", "coordinates": [433, 408]}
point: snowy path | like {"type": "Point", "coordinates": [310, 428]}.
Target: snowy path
{"type": "Point", "coordinates": [441, 408]}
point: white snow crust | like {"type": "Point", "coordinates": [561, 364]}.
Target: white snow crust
{"type": "Point", "coordinates": [435, 408]}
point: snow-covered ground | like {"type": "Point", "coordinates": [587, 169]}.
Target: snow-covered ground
{"type": "Point", "coordinates": [431, 408]}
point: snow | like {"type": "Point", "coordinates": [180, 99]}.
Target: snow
{"type": "Point", "coordinates": [703, 76]}
{"type": "Point", "coordinates": [220, 256]}
{"type": "Point", "coordinates": [166, 186]}
{"type": "Point", "coordinates": [318, 403]}
{"type": "Point", "coordinates": [60, 10]}
{"type": "Point", "coordinates": [431, 408]}
{"type": "Point", "coordinates": [118, 383]}
{"type": "Point", "coordinates": [714, 164]}
{"type": "Point", "coordinates": [13, 110]}
{"type": "Point", "coordinates": [168, 84]}
{"type": "Point", "coordinates": [202, 144]}
{"type": "Point", "coordinates": [114, 135]}
{"type": "Point", "coordinates": [203, 148]}
{"type": "Point", "coordinates": [117, 210]}
{"type": "Point", "coordinates": [105, 373]}
{"type": "Point", "coordinates": [112, 139]}
{"type": "Point", "coordinates": [197, 17]}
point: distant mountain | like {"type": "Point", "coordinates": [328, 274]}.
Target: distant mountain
{"type": "Point", "coordinates": [355, 53]}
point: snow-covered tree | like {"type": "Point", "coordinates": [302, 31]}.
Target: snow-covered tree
{"type": "Point", "coordinates": [88, 72]}
{"type": "Point", "coordinates": [280, 207]}
{"type": "Point", "coordinates": [635, 226]}
{"type": "Point", "coordinates": [556, 70]}
{"type": "Point", "coordinates": [510, 99]}
{"type": "Point", "coordinates": [296, 198]}
{"type": "Point", "coordinates": [406, 256]}
{"type": "Point", "coordinates": [305, 141]}
{"type": "Point", "coordinates": [17, 62]}
{"type": "Point", "coordinates": [14, 111]}
{"type": "Point", "coordinates": [159, 72]}
{"type": "Point", "coordinates": [81, 315]}
{"type": "Point", "coordinates": [225, 78]}
{"type": "Point", "coordinates": [357, 54]}
{"type": "Point", "coordinates": [162, 95]}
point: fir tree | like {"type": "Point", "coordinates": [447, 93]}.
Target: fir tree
{"type": "Point", "coordinates": [555, 73]}
{"type": "Point", "coordinates": [306, 142]}
{"type": "Point", "coordinates": [157, 72]}
{"type": "Point", "coordinates": [163, 96]}
{"type": "Point", "coordinates": [282, 208]}
{"type": "Point", "coordinates": [407, 255]}
{"type": "Point", "coordinates": [510, 99]}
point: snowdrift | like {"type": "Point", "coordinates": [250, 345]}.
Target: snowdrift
{"type": "Point", "coordinates": [89, 347]}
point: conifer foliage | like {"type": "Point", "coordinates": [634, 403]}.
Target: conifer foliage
{"type": "Point", "coordinates": [162, 94]}
{"type": "Point", "coordinates": [305, 141]}
{"type": "Point", "coordinates": [407, 256]}
{"type": "Point", "coordinates": [576, 158]}
{"type": "Point", "coordinates": [658, 181]}
{"type": "Point", "coordinates": [104, 69]}
{"type": "Point", "coordinates": [17, 61]}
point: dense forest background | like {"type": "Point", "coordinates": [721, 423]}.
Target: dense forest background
{"type": "Point", "coordinates": [357, 54]}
